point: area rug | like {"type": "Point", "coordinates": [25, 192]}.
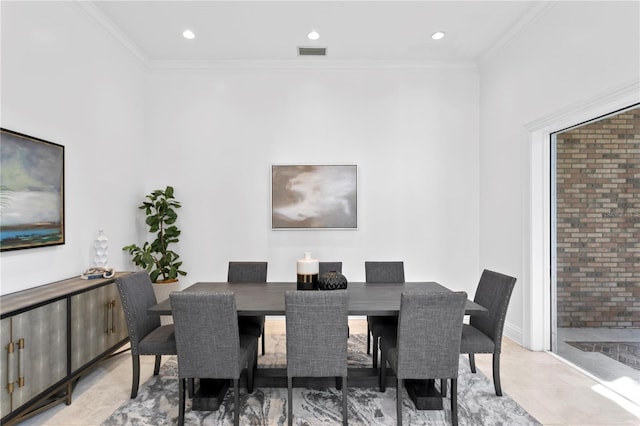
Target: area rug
{"type": "Point", "coordinates": [157, 401]}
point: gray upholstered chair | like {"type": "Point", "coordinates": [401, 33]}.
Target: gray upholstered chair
{"type": "Point", "coordinates": [427, 343]}
{"type": "Point", "coordinates": [209, 343]}
{"type": "Point", "coordinates": [249, 272]}
{"type": "Point", "coordinates": [329, 266]}
{"type": "Point", "coordinates": [381, 272]}
{"type": "Point", "coordinates": [483, 334]}
{"type": "Point", "coordinates": [146, 335]}
{"type": "Point", "coordinates": [317, 339]}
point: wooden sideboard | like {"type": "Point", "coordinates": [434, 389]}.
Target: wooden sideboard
{"type": "Point", "coordinates": [51, 335]}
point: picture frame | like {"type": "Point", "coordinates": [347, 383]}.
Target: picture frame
{"type": "Point", "coordinates": [31, 192]}
{"type": "Point", "coordinates": [314, 196]}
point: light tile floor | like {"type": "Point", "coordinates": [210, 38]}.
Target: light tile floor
{"type": "Point", "coordinates": [623, 379]}
{"type": "Point", "coordinates": [551, 390]}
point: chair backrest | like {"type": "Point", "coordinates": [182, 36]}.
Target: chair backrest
{"type": "Point", "coordinates": [429, 332]}
{"type": "Point", "coordinates": [247, 272]}
{"type": "Point", "coordinates": [317, 332]}
{"type": "Point", "coordinates": [137, 295]}
{"type": "Point", "coordinates": [329, 266]}
{"type": "Point", "coordinates": [384, 272]}
{"type": "Point", "coordinates": [493, 292]}
{"type": "Point", "coordinates": [207, 337]}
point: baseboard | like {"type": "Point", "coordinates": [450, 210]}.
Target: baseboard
{"type": "Point", "coordinates": [514, 333]}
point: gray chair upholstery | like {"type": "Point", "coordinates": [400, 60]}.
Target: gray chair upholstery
{"type": "Point", "coordinates": [381, 272]}
{"type": "Point", "coordinates": [427, 343]}
{"type": "Point", "coordinates": [329, 266]}
{"type": "Point", "coordinates": [317, 339]}
{"type": "Point", "coordinates": [483, 334]}
{"type": "Point", "coordinates": [209, 343]}
{"type": "Point", "coordinates": [249, 272]}
{"type": "Point", "coordinates": [146, 335]}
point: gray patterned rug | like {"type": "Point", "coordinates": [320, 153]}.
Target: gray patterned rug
{"type": "Point", "coordinates": [157, 401]}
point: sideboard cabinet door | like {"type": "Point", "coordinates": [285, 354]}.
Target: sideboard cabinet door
{"type": "Point", "coordinates": [34, 353]}
{"type": "Point", "coordinates": [5, 375]}
{"type": "Point", "coordinates": [119, 329]}
{"type": "Point", "coordinates": [97, 324]}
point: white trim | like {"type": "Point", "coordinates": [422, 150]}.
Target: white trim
{"type": "Point", "coordinates": [94, 13]}
{"type": "Point", "coordinates": [536, 230]}
{"type": "Point", "coordinates": [512, 332]}
{"type": "Point", "coordinates": [306, 63]}
{"type": "Point", "coordinates": [581, 111]}
{"type": "Point", "coordinates": [528, 18]}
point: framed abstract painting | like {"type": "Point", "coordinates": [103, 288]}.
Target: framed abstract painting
{"type": "Point", "coordinates": [31, 192]}
{"type": "Point", "coordinates": [314, 197]}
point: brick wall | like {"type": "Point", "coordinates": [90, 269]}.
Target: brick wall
{"type": "Point", "coordinates": [598, 223]}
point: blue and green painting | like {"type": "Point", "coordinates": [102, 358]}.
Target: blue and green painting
{"type": "Point", "coordinates": [31, 192]}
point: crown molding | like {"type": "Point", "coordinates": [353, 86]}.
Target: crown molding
{"type": "Point", "coordinates": [622, 96]}
{"type": "Point", "coordinates": [305, 64]}
{"type": "Point", "coordinates": [95, 14]}
{"type": "Point", "coordinates": [537, 10]}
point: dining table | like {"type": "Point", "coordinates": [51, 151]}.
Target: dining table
{"type": "Point", "coordinates": [254, 299]}
{"type": "Point", "coordinates": [365, 299]}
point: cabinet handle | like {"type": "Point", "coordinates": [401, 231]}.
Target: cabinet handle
{"type": "Point", "coordinates": [113, 316]}
{"type": "Point", "coordinates": [107, 308]}
{"type": "Point", "coordinates": [10, 367]}
{"type": "Point", "coordinates": [21, 362]}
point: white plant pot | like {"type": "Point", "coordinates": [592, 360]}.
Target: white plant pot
{"type": "Point", "coordinates": [162, 292]}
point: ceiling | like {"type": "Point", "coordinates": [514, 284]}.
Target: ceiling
{"type": "Point", "coordinates": [396, 31]}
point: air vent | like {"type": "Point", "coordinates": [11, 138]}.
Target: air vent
{"type": "Point", "coordinates": [312, 51]}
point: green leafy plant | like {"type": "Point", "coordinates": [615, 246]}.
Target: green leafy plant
{"type": "Point", "coordinates": [161, 263]}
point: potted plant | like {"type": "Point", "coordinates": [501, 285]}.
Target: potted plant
{"type": "Point", "coordinates": [161, 263]}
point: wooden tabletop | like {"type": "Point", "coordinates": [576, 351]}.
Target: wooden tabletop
{"type": "Point", "coordinates": [14, 303]}
{"type": "Point", "coordinates": [364, 298]}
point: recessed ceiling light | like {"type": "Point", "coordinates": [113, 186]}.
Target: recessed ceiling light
{"type": "Point", "coordinates": [313, 35]}
{"type": "Point", "coordinates": [188, 34]}
{"type": "Point", "coordinates": [438, 35]}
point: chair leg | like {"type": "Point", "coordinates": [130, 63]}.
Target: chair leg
{"type": "Point", "coordinates": [472, 362]}
{"type": "Point", "coordinates": [255, 357]}
{"type": "Point", "coordinates": [250, 370]}
{"type": "Point", "coordinates": [443, 388]}
{"type": "Point", "coordinates": [236, 403]}
{"type": "Point", "coordinates": [368, 340]}
{"type": "Point", "coordinates": [181, 403]}
{"type": "Point", "coordinates": [496, 373]}
{"type": "Point", "coordinates": [454, 402]}
{"type": "Point", "coordinates": [191, 387]}
{"type": "Point", "coordinates": [262, 342]}
{"type": "Point", "coordinates": [399, 403]}
{"type": "Point", "coordinates": [375, 352]}
{"type": "Point", "coordinates": [135, 381]}
{"type": "Point", "coordinates": [345, 412]}
{"type": "Point", "coordinates": [338, 383]}
{"type": "Point", "coordinates": [290, 400]}
{"type": "Point", "coordinates": [382, 372]}
{"type": "Point", "coordinates": [156, 367]}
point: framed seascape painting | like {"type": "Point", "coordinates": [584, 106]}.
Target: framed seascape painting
{"type": "Point", "coordinates": [314, 197]}
{"type": "Point", "coordinates": [31, 192]}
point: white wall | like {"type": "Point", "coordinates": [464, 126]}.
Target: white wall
{"type": "Point", "coordinates": [214, 134]}
{"type": "Point", "coordinates": [65, 80]}
{"type": "Point", "coordinates": [412, 133]}
{"type": "Point", "coordinates": [429, 194]}
{"type": "Point", "coordinates": [573, 52]}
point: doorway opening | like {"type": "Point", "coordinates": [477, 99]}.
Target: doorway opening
{"type": "Point", "coordinates": [595, 248]}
